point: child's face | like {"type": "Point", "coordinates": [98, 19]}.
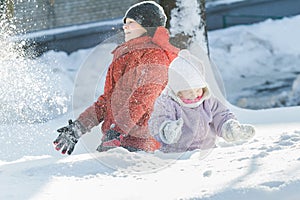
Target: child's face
{"type": "Point", "coordinates": [132, 29]}
{"type": "Point", "coordinates": [190, 94]}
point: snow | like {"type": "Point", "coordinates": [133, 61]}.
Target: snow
{"type": "Point", "coordinates": [267, 167]}
{"type": "Point", "coordinates": [185, 10]}
{"type": "Point", "coordinates": [260, 169]}
{"type": "Point", "coordinates": [264, 59]}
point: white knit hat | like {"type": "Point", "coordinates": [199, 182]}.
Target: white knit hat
{"type": "Point", "coordinates": [186, 72]}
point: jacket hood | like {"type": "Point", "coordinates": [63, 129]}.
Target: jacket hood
{"type": "Point", "coordinates": [187, 72]}
{"type": "Point", "coordinates": [161, 38]}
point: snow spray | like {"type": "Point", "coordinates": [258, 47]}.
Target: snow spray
{"type": "Point", "coordinates": [29, 90]}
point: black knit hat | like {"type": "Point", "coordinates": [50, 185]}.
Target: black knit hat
{"type": "Point", "coordinates": [147, 14]}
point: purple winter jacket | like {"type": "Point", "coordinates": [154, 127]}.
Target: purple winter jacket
{"type": "Point", "coordinates": [201, 124]}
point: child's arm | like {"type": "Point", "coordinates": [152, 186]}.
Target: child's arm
{"type": "Point", "coordinates": [220, 114]}
{"type": "Point", "coordinates": [163, 111]}
{"type": "Point", "coordinates": [227, 126]}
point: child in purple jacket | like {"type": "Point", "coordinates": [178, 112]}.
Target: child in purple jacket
{"type": "Point", "coordinates": [186, 116]}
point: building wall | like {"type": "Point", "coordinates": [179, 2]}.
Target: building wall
{"type": "Point", "coordinates": [33, 15]}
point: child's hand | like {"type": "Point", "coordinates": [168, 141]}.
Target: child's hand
{"type": "Point", "coordinates": [68, 137]}
{"type": "Point", "coordinates": [171, 132]}
{"type": "Point", "coordinates": [232, 131]}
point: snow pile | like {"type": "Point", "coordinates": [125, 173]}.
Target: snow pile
{"type": "Point", "coordinates": [295, 94]}
{"type": "Point", "coordinates": [231, 171]}
{"type": "Point", "coordinates": [264, 58]}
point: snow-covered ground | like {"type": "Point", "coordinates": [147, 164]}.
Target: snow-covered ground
{"type": "Point", "coordinates": [267, 167]}
{"type": "Point", "coordinates": [259, 63]}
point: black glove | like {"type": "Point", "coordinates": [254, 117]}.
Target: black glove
{"type": "Point", "coordinates": [111, 135]}
{"type": "Point", "coordinates": [111, 140]}
{"type": "Point", "coordinates": [68, 137]}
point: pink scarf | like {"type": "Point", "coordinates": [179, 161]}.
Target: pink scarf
{"type": "Point", "coordinates": [190, 101]}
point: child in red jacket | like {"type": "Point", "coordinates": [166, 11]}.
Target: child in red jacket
{"type": "Point", "coordinates": [135, 78]}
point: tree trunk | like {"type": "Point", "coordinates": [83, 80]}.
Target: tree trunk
{"type": "Point", "coordinates": [203, 23]}
{"type": "Point", "coordinates": [179, 39]}
{"type": "Point", "coordinates": [183, 39]}
{"type": "Point", "coordinates": [168, 6]}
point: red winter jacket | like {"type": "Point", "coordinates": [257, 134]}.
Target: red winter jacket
{"type": "Point", "coordinates": [135, 78]}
